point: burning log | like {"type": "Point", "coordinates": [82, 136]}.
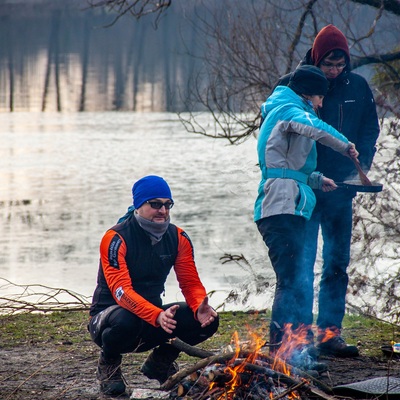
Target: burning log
{"type": "Point", "coordinates": [184, 387]}
{"type": "Point", "coordinates": [216, 359]}
{"type": "Point", "coordinates": [217, 375]}
{"type": "Point", "coordinates": [259, 391]}
{"type": "Point", "coordinates": [248, 373]}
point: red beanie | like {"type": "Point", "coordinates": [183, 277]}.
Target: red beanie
{"type": "Point", "coordinates": [328, 39]}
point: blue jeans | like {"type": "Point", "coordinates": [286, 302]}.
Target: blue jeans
{"type": "Point", "coordinates": [284, 237]}
{"type": "Point", "coordinates": [333, 213]}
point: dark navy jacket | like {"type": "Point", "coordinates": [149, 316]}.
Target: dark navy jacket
{"type": "Point", "coordinates": [350, 108]}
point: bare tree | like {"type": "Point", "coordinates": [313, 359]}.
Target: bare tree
{"type": "Point", "coordinates": [388, 5]}
{"type": "Point", "coordinates": [375, 266]}
{"type": "Point", "coordinates": [134, 8]}
{"type": "Point", "coordinates": [243, 61]}
{"type": "Point", "coordinates": [248, 46]}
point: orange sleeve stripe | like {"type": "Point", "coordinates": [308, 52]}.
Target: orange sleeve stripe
{"type": "Point", "coordinates": [186, 272]}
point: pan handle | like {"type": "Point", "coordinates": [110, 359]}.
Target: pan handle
{"type": "Point", "coordinates": [373, 188]}
{"type": "Point", "coordinates": [345, 185]}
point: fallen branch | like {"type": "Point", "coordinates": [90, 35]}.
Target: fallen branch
{"type": "Point", "coordinates": [190, 350]}
{"type": "Point", "coordinates": [39, 298]}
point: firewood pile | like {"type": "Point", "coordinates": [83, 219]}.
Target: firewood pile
{"type": "Point", "coordinates": [240, 374]}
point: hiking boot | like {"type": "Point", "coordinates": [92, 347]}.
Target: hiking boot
{"type": "Point", "coordinates": [306, 359]}
{"type": "Point", "coordinates": [332, 344]}
{"type": "Point", "coordinates": [110, 376]}
{"type": "Point", "coordinates": [297, 348]}
{"type": "Point", "coordinates": [159, 367]}
{"type": "Point", "coordinates": [275, 338]}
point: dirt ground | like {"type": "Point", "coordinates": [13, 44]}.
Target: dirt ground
{"type": "Point", "coordinates": [66, 371]}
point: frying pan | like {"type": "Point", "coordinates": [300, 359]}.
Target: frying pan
{"type": "Point", "coordinates": [359, 187]}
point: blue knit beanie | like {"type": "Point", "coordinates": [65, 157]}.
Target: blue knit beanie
{"type": "Point", "coordinates": [148, 188]}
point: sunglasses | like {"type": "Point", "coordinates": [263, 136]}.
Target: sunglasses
{"type": "Point", "coordinates": [332, 66]}
{"type": "Point", "coordinates": [157, 205]}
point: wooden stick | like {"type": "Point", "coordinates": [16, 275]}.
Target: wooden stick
{"type": "Point", "coordinates": [173, 379]}
{"type": "Point", "coordinates": [363, 178]}
{"type": "Point", "coordinates": [184, 387]}
{"type": "Point", "coordinates": [218, 376]}
{"type": "Point", "coordinates": [190, 350]}
{"type": "Point", "coordinates": [290, 390]}
{"type": "Point", "coordinates": [321, 394]}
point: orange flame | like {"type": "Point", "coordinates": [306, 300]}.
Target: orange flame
{"type": "Point", "coordinates": [255, 345]}
{"type": "Point", "coordinates": [292, 340]}
{"type": "Point", "coordinates": [326, 334]}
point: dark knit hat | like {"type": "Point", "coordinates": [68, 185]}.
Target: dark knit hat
{"type": "Point", "coordinates": [150, 187]}
{"type": "Point", "coordinates": [309, 80]}
{"type": "Point", "coordinates": [328, 39]}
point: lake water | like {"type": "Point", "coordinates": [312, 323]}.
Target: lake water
{"type": "Point", "coordinates": [66, 178]}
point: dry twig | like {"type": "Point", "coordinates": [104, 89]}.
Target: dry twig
{"type": "Point", "coordinates": [39, 298]}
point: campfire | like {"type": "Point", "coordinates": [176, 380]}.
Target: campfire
{"type": "Point", "coordinates": [247, 371]}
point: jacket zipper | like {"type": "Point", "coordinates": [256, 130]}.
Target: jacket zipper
{"type": "Point", "coordinates": [340, 121]}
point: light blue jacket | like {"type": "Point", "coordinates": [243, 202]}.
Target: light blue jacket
{"type": "Point", "coordinates": [287, 155]}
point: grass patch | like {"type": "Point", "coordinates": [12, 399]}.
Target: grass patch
{"type": "Point", "coordinates": [369, 333]}
{"type": "Point", "coordinates": [30, 328]}
{"type": "Point", "coordinates": [60, 328]}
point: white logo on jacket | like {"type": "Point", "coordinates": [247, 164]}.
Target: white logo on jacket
{"type": "Point", "coordinates": [309, 118]}
{"type": "Point", "coordinates": [119, 292]}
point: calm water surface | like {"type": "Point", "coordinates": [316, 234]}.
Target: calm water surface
{"type": "Point", "coordinates": [66, 178]}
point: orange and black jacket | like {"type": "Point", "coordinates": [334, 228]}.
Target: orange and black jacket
{"type": "Point", "coordinates": [132, 271]}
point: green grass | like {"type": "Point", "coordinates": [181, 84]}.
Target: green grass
{"type": "Point", "coordinates": [69, 328]}
{"type": "Point", "coordinates": [29, 328]}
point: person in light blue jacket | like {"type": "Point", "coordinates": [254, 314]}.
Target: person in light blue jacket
{"type": "Point", "coordinates": [287, 159]}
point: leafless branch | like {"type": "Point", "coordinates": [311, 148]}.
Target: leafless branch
{"type": "Point", "coordinates": [300, 27]}
{"type": "Point", "coordinates": [392, 6]}
{"type": "Point", "coordinates": [39, 298]}
{"type": "Point", "coordinates": [375, 59]}
{"type": "Point", "coordinates": [135, 8]}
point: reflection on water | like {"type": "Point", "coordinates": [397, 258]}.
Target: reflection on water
{"type": "Point", "coordinates": [66, 178]}
{"type": "Point", "coordinates": [60, 55]}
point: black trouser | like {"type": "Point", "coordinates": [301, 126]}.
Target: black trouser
{"type": "Point", "coordinates": [117, 331]}
{"type": "Point", "coordinates": [293, 301]}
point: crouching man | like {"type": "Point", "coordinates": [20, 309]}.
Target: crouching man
{"type": "Point", "coordinates": [127, 314]}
